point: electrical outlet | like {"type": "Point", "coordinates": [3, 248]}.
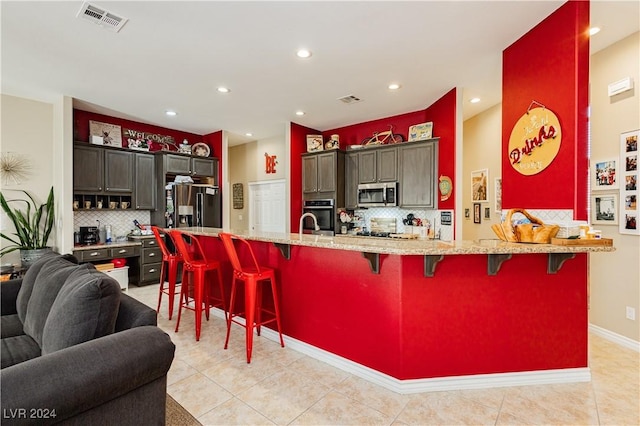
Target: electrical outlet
{"type": "Point", "coordinates": [631, 313]}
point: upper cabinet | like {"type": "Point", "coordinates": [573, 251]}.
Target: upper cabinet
{"type": "Point", "coordinates": [187, 165]}
{"type": "Point", "coordinates": [323, 175]}
{"type": "Point", "coordinates": [351, 180]}
{"type": "Point", "coordinates": [88, 166]}
{"type": "Point", "coordinates": [145, 181]}
{"type": "Point", "coordinates": [378, 165]}
{"type": "Point", "coordinates": [118, 171]}
{"type": "Point", "coordinates": [419, 174]}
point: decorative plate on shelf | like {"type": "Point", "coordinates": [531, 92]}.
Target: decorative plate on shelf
{"type": "Point", "coordinates": [200, 149]}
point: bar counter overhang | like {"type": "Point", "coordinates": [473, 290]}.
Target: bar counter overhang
{"type": "Point", "coordinates": [430, 315]}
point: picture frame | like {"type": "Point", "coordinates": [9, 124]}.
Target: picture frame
{"type": "Point", "coordinates": [604, 209]}
{"type": "Point", "coordinates": [629, 191]}
{"type": "Point", "coordinates": [467, 214]}
{"type": "Point", "coordinates": [421, 132]}
{"type": "Point", "coordinates": [604, 174]}
{"type": "Point", "coordinates": [238, 196]}
{"type": "Point", "coordinates": [111, 134]}
{"type": "Point", "coordinates": [314, 143]}
{"type": "Point", "coordinates": [479, 186]}
{"type": "Point", "coordinates": [497, 195]}
{"type": "Point", "coordinates": [476, 213]}
{"type": "Point", "coordinates": [487, 212]}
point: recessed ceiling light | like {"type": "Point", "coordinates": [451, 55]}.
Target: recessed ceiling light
{"type": "Point", "coordinates": [303, 53]}
{"type": "Point", "coordinates": [299, 112]}
{"type": "Point", "coordinates": [171, 113]}
{"type": "Point", "coordinates": [474, 100]}
{"type": "Point", "coordinates": [248, 134]}
{"type": "Point", "coordinates": [594, 30]}
{"type": "Point", "coordinates": [394, 86]}
{"type": "Point", "coordinates": [223, 90]}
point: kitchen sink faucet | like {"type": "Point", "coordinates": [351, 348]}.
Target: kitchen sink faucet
{"type": "Point", "coordinates": [312, 216]}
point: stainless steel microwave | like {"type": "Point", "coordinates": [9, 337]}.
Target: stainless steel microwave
{"type": "Point", "coordinates": [378, 194]}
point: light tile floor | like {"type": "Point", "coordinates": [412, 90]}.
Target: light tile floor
{"type": "Point", "coordinates": [284, 387]}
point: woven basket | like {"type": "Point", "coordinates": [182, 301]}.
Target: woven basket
{"type": "Point", "coordinates": [534, 232]}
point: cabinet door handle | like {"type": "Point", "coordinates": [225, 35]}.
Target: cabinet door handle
{"type": "Point", "coordinates": [152, 243]}
{"type": "Point", "coordinates": [152, 270]}
{"type": "Point", "coordinates": [152, 254]}
{"type": "Point", "coordinates": [122, 251]}
{"type": "Point", "coordinates": [95, 253]}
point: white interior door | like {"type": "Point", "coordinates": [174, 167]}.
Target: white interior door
{"type": "Point", "coordinates": [267, 206]}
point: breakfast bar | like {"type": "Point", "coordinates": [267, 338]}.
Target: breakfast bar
{"type": "Point", "coordinates": [425, 309]}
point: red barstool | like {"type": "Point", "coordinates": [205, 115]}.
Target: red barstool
{"type": "Point", "coordinates": [196, 265]}
{"type": "Point", "coordinates": [170, 263]}
{"type": "Point", "coordinates": [252, 275]}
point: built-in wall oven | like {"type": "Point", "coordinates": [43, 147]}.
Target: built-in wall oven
{"type": "Point", "coordinates": [324, 211]}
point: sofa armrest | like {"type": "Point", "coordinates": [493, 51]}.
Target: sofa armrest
{"type": "Point", "coordinates": [79, 378]}
{"type": "Point", "coordinates": [9, 295]}
{"type": "Point", "coordinates": [133, 313]}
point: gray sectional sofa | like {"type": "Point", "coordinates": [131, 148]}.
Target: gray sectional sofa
{"type": "Point", "coordinates": [76, 350]}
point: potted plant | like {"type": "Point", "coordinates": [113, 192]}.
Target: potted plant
{"type": "Point", "coordinates": [33, 226]}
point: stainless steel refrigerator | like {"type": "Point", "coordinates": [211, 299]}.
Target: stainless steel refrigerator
{"type": "Point", "coordinates": [194, 205]}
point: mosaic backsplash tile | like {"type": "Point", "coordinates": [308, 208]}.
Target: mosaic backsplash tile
{"type": "Point", "coordinates": [121, 221]}
{"type": "Point", "coordinates": [433, 216]}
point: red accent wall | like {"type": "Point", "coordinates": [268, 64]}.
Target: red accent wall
{"type": "Point", "coordinates": [214, 140]}
{"type": "Point", "coordinates": [298, 147]}
{"type": "Point", "coordinates": [550, 64]}
{"type": "Point", "coordinates": [81, 128]}
{"type": "Point", "coordinates": [443, 114]}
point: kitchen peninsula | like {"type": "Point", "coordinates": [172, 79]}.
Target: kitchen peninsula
{"type": "Point", "coordinates": [411, 310]}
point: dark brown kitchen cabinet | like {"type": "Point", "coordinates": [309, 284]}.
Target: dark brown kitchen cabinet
{"type": "Point", "coordinates": [88, 169]}
{"type": "Point", "coordinates": [378, 165]}
{"type": "Point", "coordinates": [187, 165]}
{"type": "Point", "coordinates": [323, 176]}
{"type": "Point", "coordinates": [145, 182]}
{"type": "Point", "coordinates": [118, 171]}
{"type": "Point", "coordinates": [351, 180]}
{"type": "Point", "coordinates": [419, 174]}
{"type": "Point", "coordinates": [320, 172]}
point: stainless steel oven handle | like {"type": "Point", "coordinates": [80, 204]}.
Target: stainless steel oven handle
{"type": "Point", "coordinates": [318, 208]}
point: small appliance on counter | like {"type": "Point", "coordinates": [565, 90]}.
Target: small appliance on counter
{"type": "Point", "coordinates": [89, 235]}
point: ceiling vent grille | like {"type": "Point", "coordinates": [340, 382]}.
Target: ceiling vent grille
{"type": "Point", "coordinates": [102, 17]}
{"type": "Point", "coordinates": [350, 99]}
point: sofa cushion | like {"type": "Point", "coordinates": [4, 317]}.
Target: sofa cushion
{"type": "Point", "coordinates": [28, 281]}
{"type": "Point", "coordinates": [86, 308]}
{"type": "Point", "coordinates": [10, 325]}
{"type": "Point", "coordinates": [17, 349]}
{"type": "Point", "coordinates": [48, 283]}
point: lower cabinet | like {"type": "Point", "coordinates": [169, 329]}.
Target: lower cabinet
{"type": "Point", "coordinates": [150, 262]}
{"type": "Point", "coordinates": [102, 254]}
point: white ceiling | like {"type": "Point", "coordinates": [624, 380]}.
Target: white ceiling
{"type": "Point", "coordinates": [173, 55]}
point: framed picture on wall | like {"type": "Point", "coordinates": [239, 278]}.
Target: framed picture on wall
{"type": "Point", "coordinates": [604, 174]}
{"type": "Point", "coordinates": [479, 187]}
{"type": "Point", "coordinates": [604, 209]}
{"type": "Point", "coordinates": [629, 176]}
{"type": "Point", "coordinates": [476, 213]}
{"type": "Point", "coordinates": [111, 134]}
{"type": "Point", "coordinates": [497, 195]}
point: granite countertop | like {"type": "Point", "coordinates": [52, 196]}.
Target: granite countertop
{"type": "Point", "coordinates": [106, 245]}
{"type": "Point", "coordinates": [398, 246]}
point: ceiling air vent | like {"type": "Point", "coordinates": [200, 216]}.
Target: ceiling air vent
{"type": "Point", "coordinates": [102, 17]}
{"type": "Point", "coordinates": [350, 99]}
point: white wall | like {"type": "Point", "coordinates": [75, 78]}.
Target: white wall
{"type": "Point", "coordinates": [482, 147]}
{"type": "Point", "coordinates": [615, 277]}
{"type": "Point", "coordinates": [28, 132]}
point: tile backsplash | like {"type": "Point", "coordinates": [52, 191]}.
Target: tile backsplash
{"type": "Point", "coordinates": [433, 216]}
{"type": "Point", "coordinates": [121, 221]}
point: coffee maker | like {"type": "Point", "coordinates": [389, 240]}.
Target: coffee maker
{"type": "Point", "coordinates": [89, 235]}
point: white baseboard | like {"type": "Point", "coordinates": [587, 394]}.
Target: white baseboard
{"type": "Point", "coordinates": [478, 381]}
{"type": "Point", "coordinates": [615, 338]}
